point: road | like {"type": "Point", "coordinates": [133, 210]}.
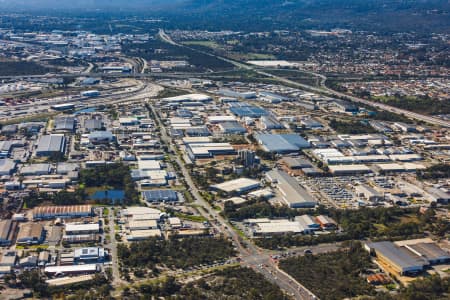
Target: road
{"type": "Point", "coordinates": [322, 89]}
{"type": "Point", "coordinates": [251, 255]}
{"type": "Point", "coordinates": [113, 248]}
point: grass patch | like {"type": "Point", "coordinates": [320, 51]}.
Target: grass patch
{"type": "Point", "coordinates": [193, 218]}
{"type": "Point", "coordinates": [209, 44]}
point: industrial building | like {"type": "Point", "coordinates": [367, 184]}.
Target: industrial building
{"type": "Point", "coordinates": [220, 119]}
{"type": "Point", "coordinates": [36, 169]}
{"type": "Point", "coordinates": [101, 137]}
{"type": "Point", "coordinates": [51, 144]}
{"type": "Point", "coordinates": [292, 194]}
{"type": "Point", "coordinates": [142, 225]}
{"type": "Point", "coordinates": [232, 127]}
{"type": "Point", "coordinates": [7, 167]}
{"type": "Point", "coordinates": [237, 186]}
{"type": "Point", "coordinates": [368, 193]}
{"type": "Point", "coordinates": [141, 213]}
{"type": "Point", "coordinates": [158, 196]}
{"type": "Point", "coordinates": [92, 125]}
{"type": "Point", "coordinates": [349, 169]}
{"type": "Point", "coordinates": [242, 110]}
{"type": "Point", "coordinates": [68, 211]}
{"type": "Point", "coordinates": [402, 260]}
{"type": "Point", "coordinates": [30, 233]}
{"type": "Point", "coordinates": [82, 229]}
{"type": "Point", "coordinates": [5, 232]}
{"type": "Point", "coordinates": [282, 143]}
{"type": "Point", "coordinates": [72, 269]}
{"type": "Point", "coordinates": [90, 254]}
{"type": "Point", "coordinates": [296, 163]}
{"type": "Point", "coordinates": [270, 122]}
{"type": "Point", "coordinates": [64, 124]}
{"type": "Point", "coordinates": [208, 150]}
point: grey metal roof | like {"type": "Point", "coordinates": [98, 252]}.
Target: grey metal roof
{"type": "Point", "coordinates": [160, 195]}
{"type": "Point", "coordinates": [92, 124]}
{"type": "Point", "coordinates": [282, 142]}
{"type": "Point", "coordinates": [51, 143]}
{"type": "Point", "coordinates": [292, 191]}
{"type": "Point", "coordinates": [400, 256]}
{"type": "Point", "coordinates": [430, 251]}
{"type": "Point", "coordinates": [65, 123]}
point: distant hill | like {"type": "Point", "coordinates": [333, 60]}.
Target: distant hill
{"type": "Point", "coordinates": [385, 15]}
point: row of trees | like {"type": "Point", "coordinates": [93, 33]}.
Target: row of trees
{"type": "Point", "coordinates": [339, 270]}
{"type": "Point", "coordinates": [174, 252]}
{"type": "Point", "coordinates": [438, 171]}
{"type": "Point", "coordinates": [351, 127]}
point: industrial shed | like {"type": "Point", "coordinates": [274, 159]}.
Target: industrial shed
{"type": "Point", "coordinates": [400, 259]}
{"type": "Point", "coordinates": [67, 211]}
{"type": "Point", "coordinates": [157, 196]}
{"type": "Point", "coordinates": [281, 143]}
{"type": "Point", "coordinates": [292, 194]}
{"type": "Point", "coordinates": [51, 144]}
{"type": "Point", "coordinates": [238, 186]}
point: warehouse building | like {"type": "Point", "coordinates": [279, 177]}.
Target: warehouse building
{"type": "Point", "coordinates": [92, 125]}
{"type": "Point", "coordinates": [270, 123]}
{"type": "Point", "coordinates": [368, 193]}
{"type": "Point", "coordinates": [403, 261]}
{"type": "Point", "coordinates": [158, 196]}
{"type": "Point", "coordinates": [7, 167]}
{"type": "Point", "coordinates": [90, 254]}
{"type": "Point", "coordinates": [67, 211]}
{"type": "Point", "coordinates": [142, 224]}
{"type": "Point", "coordinates": [5, 148]}
{"type": "Point", "coordinates": [8, 259]}
{"type": "Point", "coordinates": [5, 232]}
{"type": "Point", "coordinates": [141, 213]}
{"type": "Point", "coordinates": [349, 169]}
{"type": "Point", "coordinates": [82, 229]}
{"type": "Point", "coordinates": [277, 227]}
{"type": "Point", "coordinates": [101, 137]}
{"type": "Point", "coordinates": [282, 143]}
{"type": "Point", "coordinates": [72, 269]}
{"type": "Point", "coordinates": [292, 194]}
{"type": "Point", "coordinates": [64, 124]}
{"type": "Point", "coordinates": [220, 119]}
{"type": "Point", "coordinates": [296, 163]}
{"type": "Point", "coordinates": [197, 131]}
{"type": "Point", "coordinates": [236, 94]}
{"type": "Point", "coordinates": [208, 150]}
{"type": "Point", "coordinates": [242, 109]}
{"type": "Point", "coordinates": [36, 169]}
{"type": "Point", "coordinates": [237, 186]}
{"type": "Point", "coordinates": [232, 128]}
{"type": "Point", "coordinates": [30, 234]}
{"type": "Point", "coordinates": [80, 238]}
{"type": "Point", "coordinates": [51, 144]}
{"type": "Point", "coordinates": [308, 221]}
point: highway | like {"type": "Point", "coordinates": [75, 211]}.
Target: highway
{"type": "Point", "coordinates": [321, 90]}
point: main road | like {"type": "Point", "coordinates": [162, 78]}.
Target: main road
{"type": "Point", "coordinates": [251, 256]}
{"type": "Point", "coordinates": [322, 89]}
